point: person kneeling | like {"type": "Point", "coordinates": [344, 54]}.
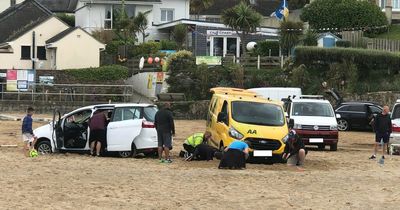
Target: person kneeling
{"type": "Point", "coordinates": [295, 152]}
{"type": "Point", "coordinates": [193, 141]}
{"type": "Point", "coordinates": [235, 156]}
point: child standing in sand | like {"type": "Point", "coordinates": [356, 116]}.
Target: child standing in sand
{"type": "Point", "coordinates": [27, 133]}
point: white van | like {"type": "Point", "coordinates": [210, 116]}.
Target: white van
{"type": "Point", "coordinates": [277, 93]}
{"type": "Point", "coordinates": [314, 121]}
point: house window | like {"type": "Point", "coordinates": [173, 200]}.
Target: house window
{"type": "Point", "coordinates": [25, 52]}
{"type": "Point", "coordinates": [167, 15]}
{"type": "Point", "coordinates": [395, 4]}
{"type": "Point", "coordinates": [108, 17]}
{"type": "Point", "coordinates": [112, 11]}
{"type": "Point", "coordinates": [41, 53]}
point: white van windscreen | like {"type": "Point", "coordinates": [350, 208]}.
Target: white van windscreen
{"type": "Point", "coordinates": [257, 113]}
{"type": "Point", "coordinates": [312, 109]}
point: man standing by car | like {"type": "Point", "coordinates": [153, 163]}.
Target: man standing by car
{"type": "Point", "coordinates": [383, 128]}
{"type": "Point", "coordinates": [164, 123]}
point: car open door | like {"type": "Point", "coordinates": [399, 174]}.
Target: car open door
{"type": "Point", "coordinates": [57, 129]}
{"type": "Point", "coordinates": [124, 126]}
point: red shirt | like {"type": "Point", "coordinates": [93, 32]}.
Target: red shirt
{"type": "Point", "coordinates": [98, 122]}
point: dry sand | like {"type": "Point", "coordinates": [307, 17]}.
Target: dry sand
{"type": "Point", "coordinates": [345, 179]}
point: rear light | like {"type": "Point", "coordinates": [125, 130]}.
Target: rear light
{"type": "Point", "coordinates": [147, 124]}
{"type": "Point", "coordinates": [395, 128]}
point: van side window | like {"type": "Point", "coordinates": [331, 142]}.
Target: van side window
{"type": "Point", "coordinates": [224, 109]}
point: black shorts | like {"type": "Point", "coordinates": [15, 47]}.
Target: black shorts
{"type": "Point", "coordinates": [97, 135]}
{"type": "Point", "coordinates": [164, 139]}
{"type": "Point", "coordinates": [382, 136]}
{"type": "Point", "coordinates": [233, 159]}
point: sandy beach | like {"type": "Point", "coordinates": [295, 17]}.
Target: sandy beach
{"type": "Point", "coordinates": [345, 179]}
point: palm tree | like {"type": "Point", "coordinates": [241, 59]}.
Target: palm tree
{"type": "Point", "coordinates": [140, 23]}
{"type": "Point", "coordinates": [290, 34]}
{"type": "Point", "coordinates": [243, 19]}
{"type": "Point", "coordinates": [197, 6]}
{"type": "Point", "coordinates": [180, 33]}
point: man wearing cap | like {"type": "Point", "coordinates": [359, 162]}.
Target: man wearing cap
{"type": "Point", "coordinates": [295, 152]}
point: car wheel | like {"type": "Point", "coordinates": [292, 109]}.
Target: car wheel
{"type": "Point", "coordinates": [343, 125]}
{"type": "Point", "coordinates": [333, 147]}
{"type": "Point", "coordinates": [44, 147]}
{"type": "Point", "coordinates": [321, 146]}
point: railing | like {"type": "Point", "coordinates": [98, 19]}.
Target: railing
{"type": "Point", "coordinates": [69, 93]}
{"type": "Point", "coordinates": [255, 62]}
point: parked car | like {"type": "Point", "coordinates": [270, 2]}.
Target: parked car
{"type": "Point", "coordinates": [356, 115]}
{"type": "Point", "coordinates": [314, 121]}
{"type": "Point", "coordinates": [395, 115]}
{"type": "Point", "coordinates": [130, 130]}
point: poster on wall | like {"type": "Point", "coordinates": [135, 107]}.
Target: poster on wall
{"type": "Point", "coordinates": [160, 77]}
{"type": "Point", "coordinates": [46, 80]}
{"type": "Point", "coordinates": [20, 80]}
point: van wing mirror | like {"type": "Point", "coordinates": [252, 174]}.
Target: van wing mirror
{"type": "Point", "coordinates": [222, 117]}
{"type": "Point", "coordinates": [291, 123]}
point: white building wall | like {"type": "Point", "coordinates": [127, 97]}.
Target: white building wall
{"type": "Point", "coordinates": [91, 17]}
{"type": "Point", "coordinates": [43, 32]}
{"type": "Point", "coordinates": [181, 9]}
{"type": "Point", "coordinates": [78, 50]}
{"type": "Point", "coordinates": [4, 4]}
{"type": "Point", "coordinates": [141, 84]}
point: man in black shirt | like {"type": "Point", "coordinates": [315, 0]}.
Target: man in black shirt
{"type": "Point", "coordinates": [164, 123]}
{"type": "Point", "coordinates": [295, 152]}
{"type": "Point", "coordinates": [383, 129]}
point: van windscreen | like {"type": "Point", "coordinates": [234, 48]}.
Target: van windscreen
{"type": "Point", "coordinates": [257, 113]}
{"type": "Point", "coordinates": [312, 109]}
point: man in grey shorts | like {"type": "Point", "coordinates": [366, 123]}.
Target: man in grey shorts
{"type": "Point", "coordinates": [164, 123]}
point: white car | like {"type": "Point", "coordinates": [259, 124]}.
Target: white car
{"type": "Point", "coordinates": [395, 135]}
{"type": "Point", "coordinates": [130, 130]}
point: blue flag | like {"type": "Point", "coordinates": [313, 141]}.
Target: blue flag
{"type": "Point", "coordinates": [282, 11]}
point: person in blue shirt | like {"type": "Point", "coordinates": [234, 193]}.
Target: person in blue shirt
{"type": "Point", "coordinates": [28, 137]}
{"type": "Point", "coordinates": [235, 156]}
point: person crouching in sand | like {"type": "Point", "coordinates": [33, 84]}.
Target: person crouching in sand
{"type": "Point", "coordinates": [235, 156]}
{"type": "Point", "coordinates": [295, 152]}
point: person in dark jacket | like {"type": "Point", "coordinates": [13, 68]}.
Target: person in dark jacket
{"type": "Point", "coordinates": [295, 152]}
{"type": "Point", "coordinates": [383, 129]}
{"type": "Point", "coordinates": [27, 133]}
{"type": "Point", "coordinates": [164, 123]}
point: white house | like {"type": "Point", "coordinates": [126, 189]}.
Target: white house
{"type": "Point", "coordinates": [93, 15]}
{"type": "Point", "coordinates": [33, 38]}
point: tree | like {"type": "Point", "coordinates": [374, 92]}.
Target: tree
{"type": "Point", "coordinates": [140, 23]}
{"type": "Point", "coordinates": [197, 6]}
{"type": "Point", "coordinates": [243, 19]}
{"type": "Point", "coordinates": [180, 33]}
{"type": "Point", "coordinates": [343, 14]}
{"type": "Point", "coordinates": [310, 38]}
{"type": "Point", "coordinates": [290, 34]}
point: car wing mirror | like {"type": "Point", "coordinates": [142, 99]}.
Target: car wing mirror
{"type": "Point", "coordinates": [338, 116]}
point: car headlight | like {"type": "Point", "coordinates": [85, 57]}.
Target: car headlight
{"type": "Point", "coordinates": [297, 126]}
{"type": "Point", "coordinates": [333, 128]}
{"type": "Point", "coordinates": [235, 134]}
{"type": "Point", "coordinates": [285, 139]}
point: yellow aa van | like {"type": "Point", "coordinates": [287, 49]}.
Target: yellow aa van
{"type": "Point", "coordinates": [241, 114]}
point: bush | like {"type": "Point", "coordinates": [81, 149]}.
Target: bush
{"type": "Point", "coordinates": [343, 43]}
{"type": "Point", "coordinates": [310, 38]}
{"type": "Point", "coordinates": [145, 49]}
{"type": "Point", "coordinates": [343, 14]}
{"type": "Point", "coordinates": [367, 60]}
{"type": "Point", "coordinates": [104, 73]}
{"type": "Point", "coordinates": [265, 78]}
{"type": "Point", "coordinates": [68, 19]}
{"type": "Point", "coordinates": [168, 45]}
{"type": "Point", "coordinates": [263, 48]}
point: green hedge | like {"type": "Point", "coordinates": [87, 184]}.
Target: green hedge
{"type": "Point", "coordinates": [263, 48]}
{"type": "Point", "coordinates": [104, 73]}
{"type": "Point", "coordinates": [343, 43]}
{"type": "Point", "coordinates": [365, 60]}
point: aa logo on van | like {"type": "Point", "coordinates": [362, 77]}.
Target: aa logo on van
{"type": "Point", "coordinates": [252, 132]}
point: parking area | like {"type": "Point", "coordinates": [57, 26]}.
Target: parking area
{"type": "Point", "coordinates": [344, 179]}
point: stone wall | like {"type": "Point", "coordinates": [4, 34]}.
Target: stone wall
{"type": "Point", "coordinates": [383, 98]}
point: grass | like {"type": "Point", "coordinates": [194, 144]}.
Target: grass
{"type": "Point", "coordinates": [393, 33]}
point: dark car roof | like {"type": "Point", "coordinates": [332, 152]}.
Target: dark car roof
{"type": "Point", "coordinates": [359, 102]}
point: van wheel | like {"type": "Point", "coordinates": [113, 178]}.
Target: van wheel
{"type": "Point", "coordinates": [43, 147]}
{"type": "Point", "coordinates": [333, 147]}
{"type": "Point", "coordinates": [321, 146]}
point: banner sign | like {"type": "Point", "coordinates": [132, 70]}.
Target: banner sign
{"type": "Point", "coordinates": [209, 60]}
{"type": "Point", "coordinates": [19, 80]}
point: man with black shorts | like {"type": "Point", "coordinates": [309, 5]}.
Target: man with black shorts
{"type": "Point", "coordinates": [383, 129]}
{"type": "Point", "coordinates": [164, 123]}
{"type": "Point", "coordinates": [97, 125]}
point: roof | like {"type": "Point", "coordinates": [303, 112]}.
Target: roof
{"type": "Point", "coordinates": [17, 20]}
{"type": "Point", "coordinates": [359, 102]}
{"type": "Point", "coordinates": [264, 7]}
{"type": "Point", "coordinates": [237, 94]}
{"type": "Point", "coordinates": [311, 100]}
{"type": "Point", "coordinates": [62, 6]}
{"type": "Point", "coordinates": [61, 35]}
{"type": "Point", "coordinates": [321, 35]}
{"type": "Point", "coordinates": [109, 105]}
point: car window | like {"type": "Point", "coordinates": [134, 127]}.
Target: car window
{"type": "Point", "coordinates": [396, 112]}
{"type": "Point", "coordinates": [357, 108]}
{"type": "Point", "coordinates": [149, 113]}
{"type": "Point", "coordinates": [343, 108]}
{"type": "Point", "coordinates": [374, 109]}
{"type": "Point", "coordinates": [80, 117]}
{"type": "Point", "coordinates": [126, 113]}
